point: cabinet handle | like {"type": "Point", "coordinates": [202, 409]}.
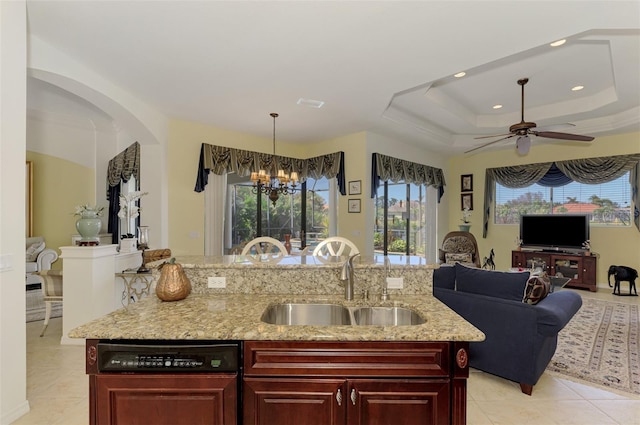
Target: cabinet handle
{"type": "Point", "coordinates": [339, 397]}
{"type": "Point", "coordinates": [353, 396]}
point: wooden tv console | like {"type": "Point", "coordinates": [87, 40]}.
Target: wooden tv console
{"type": "Point", "coordinates": [579, 267]}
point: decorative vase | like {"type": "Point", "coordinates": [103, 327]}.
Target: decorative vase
{"type": "Point", "coordinates": [464, 227]}
{"type": "Point", "coordinates": [287, 243]}
{"type": "Point", "coordinates": [128, 245]}
{"type": "Point", "coordinates": [173, 283]}
{"type": "Point", "coordinates": [89, 225]}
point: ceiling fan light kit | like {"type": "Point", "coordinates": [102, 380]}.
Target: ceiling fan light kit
{"type": "Point", "coordinates": [525, 129]}
{"type": "Point", "coordinates": [523, 144]}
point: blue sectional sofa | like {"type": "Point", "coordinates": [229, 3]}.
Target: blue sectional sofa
{"type": "Point", "coordinates": [521, 338]}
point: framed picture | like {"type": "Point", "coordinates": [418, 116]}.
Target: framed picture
{"type": "Point", "coordinates": [466, 201]}
{"type": "Point", "coordinates": [354, 205]}
{"type": "Point", "coordinates": [355, 187]}
{"type": "Point", "coordinates": [466, 182]}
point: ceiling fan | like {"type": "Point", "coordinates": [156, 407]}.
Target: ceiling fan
{"type": "Point", "coordinates": [523, 129]}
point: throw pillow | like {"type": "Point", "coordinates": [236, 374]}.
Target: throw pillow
{"type": "Point", "coordinates": [457, 257]}
{"type": "Point", "coordinates": [506, 285]}
{"type": "Point", "coordinates": [33, 251]}
{"type": "Point", "coordinates": [538, 287]}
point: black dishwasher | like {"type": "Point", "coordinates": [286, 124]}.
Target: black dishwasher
{"type": "Point", "coordinates": [164, 382]}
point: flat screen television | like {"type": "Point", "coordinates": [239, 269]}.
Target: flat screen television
{"type": "Point", "coordinates": [557, 232]}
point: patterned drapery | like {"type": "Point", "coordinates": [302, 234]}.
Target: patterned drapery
{"type": "Point", "coordinates": [587, 171]}
{"type": "Point", "coordinates": [120, 169]}
{"type": "Point", "coordinates": [123, 166]}
{"type": "Point", "coordinates": [224, 160]}
{"type": "Point", "coordinates": [385, 167]}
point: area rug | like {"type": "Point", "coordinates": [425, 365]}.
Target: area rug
{"type": "Point", "coordinates": [36, 308]}
{"type": "Point", "coordinates": [600, 345]}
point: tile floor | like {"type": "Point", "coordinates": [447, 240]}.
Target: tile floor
{"type": "Point", "coordinates": [57, 390]}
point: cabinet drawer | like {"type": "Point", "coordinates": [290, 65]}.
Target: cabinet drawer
{"type": "Point", "coordinates": [312, 358]}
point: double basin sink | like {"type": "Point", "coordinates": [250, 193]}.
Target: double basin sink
{"type": "Point", "coordinates": [337, 315]}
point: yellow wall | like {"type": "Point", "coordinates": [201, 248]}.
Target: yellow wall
{"type": "Point", "coordinates": [614, 246]}
{"type": "Point", "coordinates": [58, 187]}
{"type": "Point", "coordinates": [186, 207]}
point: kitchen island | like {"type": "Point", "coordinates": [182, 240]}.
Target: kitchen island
{"type": "Point", "coordinates": [322, 374]}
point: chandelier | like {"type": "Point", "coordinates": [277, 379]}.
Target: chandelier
{"type": "Point", "coordinates": [274, 185]}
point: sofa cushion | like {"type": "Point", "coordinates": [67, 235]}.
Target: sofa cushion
{"type": "Point", "coordinates": [33, 250]}
{"type": "Point", "coordinates": [444, 277]}
{"type": "Point", "coordinates": [31, 266]}
{"type": "Point", "coordinates": [506, 285]}
{"type": "Point", "coordinates": [458, 257]}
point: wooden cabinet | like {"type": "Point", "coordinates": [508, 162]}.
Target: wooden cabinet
{"type": "Point", "coordinates": [163, 399]}
{"type": "Point", "coordinates": [580, 268]}
{"type": "Point", "coordinates": [355, 382]}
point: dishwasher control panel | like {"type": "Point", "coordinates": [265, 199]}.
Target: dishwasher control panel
{"type": "Point", "coordinates": [168, 358]}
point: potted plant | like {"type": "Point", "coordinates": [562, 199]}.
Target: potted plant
{"type": "Point", "coordinates": [129, 211]}
{"type": "Point", "coordinates": [466, 216]}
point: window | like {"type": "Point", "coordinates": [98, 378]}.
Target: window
{"type": "Point", "coordinates": [405, 218]}
{"type": "Point", "coordinates": [286, 217]}
{"type": "Point", "coordinates": [608, 203]}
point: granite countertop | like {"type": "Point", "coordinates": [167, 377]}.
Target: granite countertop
{"type": "Point", "coordinates": [296, 261]}
{"type": "Point", "coordinates": [237, 317]}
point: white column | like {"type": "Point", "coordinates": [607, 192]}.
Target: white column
{"type": "Point", "coordinates": [88, 283]}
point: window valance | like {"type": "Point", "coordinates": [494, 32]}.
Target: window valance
{"type": "Point", "coordinates": [385, 167]}
{"type": "Point", "coordinates": [554, 174]}
{"type": "Point", "coordinates": [123, 166]}
{"type": "Point", "coordinates": [224, 160]}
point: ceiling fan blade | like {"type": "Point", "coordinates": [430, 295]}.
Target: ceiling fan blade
{"type": "Point", "coordinates": [563, 136]}
{"type": "Point", "coordinates": [490, 143]}
{"type": "Point", "coordinates": [493, 135]}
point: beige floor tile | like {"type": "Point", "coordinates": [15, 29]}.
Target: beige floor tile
{"type": "Point", "coordinates": [475, 415]}
{"type": "Point", "coordinates": [512, 412]}
{"type": "Point", "coordinates": [578, 412]}
{"type": "Point", "coordinates": [596, 393]}
{"type": "Point", "coordinates": [545, 412]}
{"type": "Point", "coordinates": [625, 412]}
{"type": "Point", "coordinates": [485, 387]}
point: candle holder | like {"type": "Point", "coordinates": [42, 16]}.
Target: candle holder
{"type": "Point", "coordinates": [143, 243]}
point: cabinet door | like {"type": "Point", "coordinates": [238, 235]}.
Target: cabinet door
{"type": "Point", "coordinates": [568, 266]}
{"type": "Point", "coordinates": [518, 259]}
{"type": "Point", "coordinates": [269, 401]}
{"type": "Point", "coordinates": [589, 271]}
{"type": "Point", "coordinates": [398, 402]}
{"type": "Point", "coordinates": [536, 260]}
{"type": "Point", "coordinates": [165, 399]}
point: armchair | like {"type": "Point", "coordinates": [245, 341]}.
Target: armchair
{"type": "Point", "coordinates": [38, 258]}
{"type": "Point", "coordinates": [459, 247]}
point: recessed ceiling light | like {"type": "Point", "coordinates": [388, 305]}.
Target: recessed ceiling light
{"type": "Point", "coordinates": [558, 43]}
{"type": "Point", "coordinates": [498, 106]}
{"type": "Point", "coordinates": [577, 88]}
{"type": "Point", "coordinates": [460, 74]}
{"type": "Point", "coordinates": [310, 103]}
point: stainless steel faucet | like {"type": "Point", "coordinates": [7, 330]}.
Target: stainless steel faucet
{"type": "Point", "coordinates": [346, 276]}
{"type": "Point", "coordinates": [385, 283]}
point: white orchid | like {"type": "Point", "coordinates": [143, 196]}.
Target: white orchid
{"type": "Point", "coordinates": [86, 208]}
{"type": "Point", "coordinates": [466, 215]}
{"type": "Point", "coordinates": [128, 208]}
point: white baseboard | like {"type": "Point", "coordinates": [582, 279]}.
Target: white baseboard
{"type": "Point", "coordinates": [15, 413]}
